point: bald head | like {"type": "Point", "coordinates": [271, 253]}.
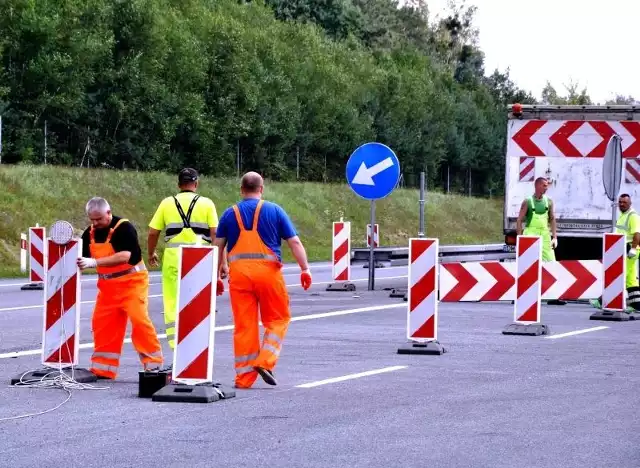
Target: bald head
{"type": "Point", "coordinates": [252, 184]}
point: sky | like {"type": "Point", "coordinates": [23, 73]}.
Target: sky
{"type": "Point", "coordinates": [590, 42]}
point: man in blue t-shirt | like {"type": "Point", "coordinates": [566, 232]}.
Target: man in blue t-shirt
{"type": "Point", "coordinates": [252, 231]}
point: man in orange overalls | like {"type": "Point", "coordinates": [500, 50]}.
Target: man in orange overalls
{"type": "Point", "coordinates": [111, 246]}
{"type": "Point", "coordinates": [252, 231]}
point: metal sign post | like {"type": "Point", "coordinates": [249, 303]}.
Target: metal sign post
{"type": "Point", "coordinates": [372, 171]}
{"type": "Point", "coordinates": [612, 173]}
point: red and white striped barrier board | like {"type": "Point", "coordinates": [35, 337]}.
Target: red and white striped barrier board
{"type": "Point", "coordinates": [376, 236]}
{"type": "Point", "coordinates": [37, 254]}
{"type": "Point", "coordinates": [341, 251]}
{"type": "Point", "coordinates": [528, 279]}
{"type": "Point", "coordinates": [195, 317]}
{"type": "Point", "coordinates": [495, 281]}
{"type": "Point", "coordinates": [614, 257]}
{"type": "Point", "coordinates": [422, 300]}
{"type": "Point", "coordinates": [23, 252]}
{"type": "Point", "coordinates": [571, 138]}
{"type": "Point", "coordinates": [60, 335]}
{"type": "Point", "coordinates": [527, 169]}
{"type": "Point", "coordinates": [632, 171]}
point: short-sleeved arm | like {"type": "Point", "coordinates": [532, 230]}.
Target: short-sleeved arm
{"type": "Point", "coordinates": [86, 251]}
{"type": "Point", "coordinates": [222, 230]}
{"type": "Point", "coordinates": [212, 218]}
{"type": "Point", "coordinates": [634, 223]}
{"type": "Point", "coordinates": [125, 238]}
{"type": "Point", "coordinates": [157, 222]}
{"type": "Point", "coordinates": [286, 229]}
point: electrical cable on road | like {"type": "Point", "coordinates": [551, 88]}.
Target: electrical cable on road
{"type": "Point", "coordinates": [61, 233]}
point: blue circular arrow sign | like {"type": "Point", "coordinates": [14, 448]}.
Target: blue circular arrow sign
{"type": "Point", "coordinates": [373, 171]}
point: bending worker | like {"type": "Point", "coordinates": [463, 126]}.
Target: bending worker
{"type": "Point", "coordinates": [111, 246]}
{"type": "Point", "coordinates": [628, 224]}
{"type": "Point", "coordinates": [189, 219]}
{"type": "Point", "coordinates": [252, 231]}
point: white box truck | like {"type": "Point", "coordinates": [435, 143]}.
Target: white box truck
{"type": "Point", "coordinates": [566, 144]}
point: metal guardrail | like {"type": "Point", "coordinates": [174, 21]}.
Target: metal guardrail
{"type": "Point", "coordinates": [399, 256]}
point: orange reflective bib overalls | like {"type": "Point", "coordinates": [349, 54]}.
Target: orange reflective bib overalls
{"type": "Point", "coordinates": [122, 293]}
{"type": "Point", "coordinates": [256, 281]}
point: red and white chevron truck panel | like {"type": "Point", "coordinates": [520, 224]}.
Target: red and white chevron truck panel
{"type": "Point", "coordinates": [566, 144]}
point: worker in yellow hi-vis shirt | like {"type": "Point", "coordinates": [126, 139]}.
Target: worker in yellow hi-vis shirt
{"type": "Point", "coordinates": [188, 219]}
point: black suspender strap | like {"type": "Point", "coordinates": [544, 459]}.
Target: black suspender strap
{"type": "Point", "coordinates": [186, 218]}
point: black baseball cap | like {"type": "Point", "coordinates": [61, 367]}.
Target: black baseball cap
{"type": "Point", "coordinates": [187, 175]}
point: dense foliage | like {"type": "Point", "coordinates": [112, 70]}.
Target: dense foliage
{"type": "Point", "coordinates": [159, 84]}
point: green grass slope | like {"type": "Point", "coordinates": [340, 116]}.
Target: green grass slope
{"type": "Point", "coordinates": [43, 194]}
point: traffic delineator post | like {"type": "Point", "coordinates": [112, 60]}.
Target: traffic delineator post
{"type": "Point", "coordinates": [527, 307]}
{"type": "Point", "coordinates": [341, 257]}
{"type": "Point", "coordinates": [376, 236]}
{"type": "Point", "coordinates": [37, 258]}
{"type": "Point", "coordinates": [61, 317]}
{"type": "Point", "coordinates": [614, 266]}
{"type": "Point", "coordinates": [23, 252]}
{"type": "Point", "coordinates": [422, 295]}
{"type": "Point", "coordinates": [192, 373]}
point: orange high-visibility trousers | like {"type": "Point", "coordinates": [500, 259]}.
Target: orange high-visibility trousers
{"type": "Point", "coordinates": [118, 301]}
{"type": "Point", "coordinates": [122, 295]}
{"type": "Point", "coordinates": [257, 291]}
{"type": "Point", "coordinates": [256, 287]}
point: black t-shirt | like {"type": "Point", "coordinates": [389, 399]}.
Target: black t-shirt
{"type": "Point", "coordinates": [125, 238]}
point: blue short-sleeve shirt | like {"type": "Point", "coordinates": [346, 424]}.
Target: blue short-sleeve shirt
{"type": "Point", "coordinates": [273, 225]}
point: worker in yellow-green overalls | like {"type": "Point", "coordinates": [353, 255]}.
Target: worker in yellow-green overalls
{"type": "Point", "coordinates": [628, 224]}
{"type": "Point", "coordinates": [188, 219]}
{"type": "Point", "coordinates": [538, 216]}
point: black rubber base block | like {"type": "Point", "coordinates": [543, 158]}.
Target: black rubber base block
{"type": "Point", "coordinates": [430, 347]}
{"type": "Point", "coordinates": [201, 393]}
{"type": "Point", "coordinates": [612, 316]}
{"type": "Point", "coordinates": [33, 287]}
{"type": "Point", "coordinates": [79, 374]}
{"type": "Point", "coordinates": [531, 329]}
{"type": "Point", "coordinates": [341, 286]}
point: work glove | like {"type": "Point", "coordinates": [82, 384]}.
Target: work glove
{"type": "Point", "coordinates": [84, 263]}
{"type": "Point", "coordinates": [305, 279]}
{"type": "Point", "coordinates": [219, 288]}
{"type": "Point", "coordinates": [632, 252]}
{"type": "Point", "coordinates": [554, 242]}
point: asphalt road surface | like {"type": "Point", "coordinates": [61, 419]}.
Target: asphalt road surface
{"type": "Point", "coordinates": [345, 397]}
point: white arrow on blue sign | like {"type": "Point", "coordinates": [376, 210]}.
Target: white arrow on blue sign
{"type": "Point", "coordinates": [373, 171]}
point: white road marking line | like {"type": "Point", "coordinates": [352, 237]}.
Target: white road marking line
{"type": "Point", "coordinates": [85, 280]}
{"type": "Point", "coordinates": [297, 318]}
{"type": "Point", "coordinates": [577, 332]}
{"type": "Point", "coordinates": [350, 376]}
{"type": "Point", "coordinates": [313, 267]}
{"type": "Point", "coordinates": [39, 306]}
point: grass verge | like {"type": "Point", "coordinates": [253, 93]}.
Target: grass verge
{"type": "Point", "coordinates": [43, 194]}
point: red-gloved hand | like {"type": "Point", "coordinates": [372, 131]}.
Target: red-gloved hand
{"type": "Point", "coordinates": [305, 279]}
{"type": "Point", "coordinates": [219, 288]}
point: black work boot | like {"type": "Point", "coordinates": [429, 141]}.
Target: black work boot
{"type": "Point", "coordinates": [266, 375]}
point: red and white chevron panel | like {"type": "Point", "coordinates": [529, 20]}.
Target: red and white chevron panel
{"type": "Point", "coordinates": [495, 281]}
{"type": "Point", "coordinates": [527, 169]}
{"type": "Point", "coordinates": [23, 252]}
{"type": "Point", "coordinates": [632, 171]}
{"type": "Point", "coordinates": [477, 282]}
{"type": "Point", "coordinates": [195, 318]}
{"type": "Point", "coordinates": [528, 279]}
{"type": "Point", "coordinates": [376, 236]}
{"type": "Point", "coordinates": [61, 329]}
{"type": "Point", "coordinates": [572, 279]}
{"type": "Point", "coordinates": [341, 258]}
{"type": "Point", "coordinates": [37, 254]}
{"type": "Point", "coordinates": [614, 265]}
{"type": "Point", "coordinates": [422, 300]}
{"type": "Point", "coordinates": [571, 138]}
